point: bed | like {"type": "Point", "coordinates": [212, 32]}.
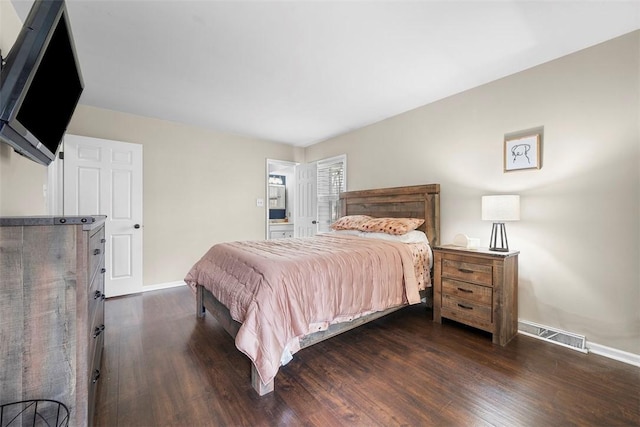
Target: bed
{"type": "Point", "coordinates": [276, 297]}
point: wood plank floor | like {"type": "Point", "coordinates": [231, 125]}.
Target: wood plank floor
{"type": "Point", "coordinates": [164, 367]}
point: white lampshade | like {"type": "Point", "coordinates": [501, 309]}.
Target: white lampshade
{"type": "Point", "coordinates": [501, 208]}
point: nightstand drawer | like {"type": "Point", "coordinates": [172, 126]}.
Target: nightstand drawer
{"type": "Point", "coordinates": [481, 274]}
{"type": "Point", "coordinates": [468, 312]}
{"type": "Point", "coordinates": [467, 291]}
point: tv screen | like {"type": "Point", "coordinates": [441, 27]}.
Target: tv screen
{"type": "Point", "coordinates": [41, 83]}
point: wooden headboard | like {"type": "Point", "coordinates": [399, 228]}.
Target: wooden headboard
{"type": "Point", "coordinates": [416, 201]}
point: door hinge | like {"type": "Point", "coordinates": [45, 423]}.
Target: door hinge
{"type": "Point", "coordinates": [61, 155]}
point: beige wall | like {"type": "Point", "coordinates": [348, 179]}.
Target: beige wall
{"type": "Point", "coordinates": [579, 235]}
{"type": "Point", "coordinates": [21, 180]}
{"type": "Point", "coordinates": [200, 187]}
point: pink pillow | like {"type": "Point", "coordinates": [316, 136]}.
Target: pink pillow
{"type": "Point", "coordinates": [394, 226]}
{"type": "Point", "coordinates": [350, 222]}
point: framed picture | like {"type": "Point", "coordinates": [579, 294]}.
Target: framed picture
{"type": "Point", "coordinates": [522, 152]}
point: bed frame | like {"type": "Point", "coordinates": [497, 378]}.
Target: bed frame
{"type": "Point", "coordinates": [417, 201]}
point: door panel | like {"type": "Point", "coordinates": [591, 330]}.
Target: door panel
{"type": "Point", "coordinates": [87, 184]}
{"type": "Point", "coordinates": [105, 177]}
{"type": "Point", "coordinates": [305, 224]}
{"type": "Point", "coordinates": [122, 183]}
{"type": "Point", "coordinates": [121, 256]}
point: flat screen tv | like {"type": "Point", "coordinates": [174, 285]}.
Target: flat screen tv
{"type": "Point", "coordinates": [40, 83]}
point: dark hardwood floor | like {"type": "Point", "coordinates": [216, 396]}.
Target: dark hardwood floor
{"type": "Point", "coordinates": [164, 367]}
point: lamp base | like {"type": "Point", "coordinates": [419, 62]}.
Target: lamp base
{"type": "Point", "coordinates": [498, 229]}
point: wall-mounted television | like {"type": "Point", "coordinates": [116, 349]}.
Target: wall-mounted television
{"type": "Point", "coordinates": [40, 83]}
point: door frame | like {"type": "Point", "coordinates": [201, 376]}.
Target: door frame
{"type": "Point", "coordinates": [55, 186]}
{"type": "Point", "coordinates": [273, 164]}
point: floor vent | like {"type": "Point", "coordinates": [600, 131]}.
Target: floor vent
{"type": "Point", "coordinates": [556, 336]}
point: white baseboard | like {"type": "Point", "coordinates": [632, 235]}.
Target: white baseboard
{"type": "Point", "coordinates": [614, 353]}
{"type": "Point", "coordinates": [163, 286]}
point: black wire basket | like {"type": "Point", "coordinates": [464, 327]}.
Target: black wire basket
{"type": "Point", "coordinates": [40, 413]}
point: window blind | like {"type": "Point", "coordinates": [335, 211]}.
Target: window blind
{"type": "Point", "coordinates": [331, 181]}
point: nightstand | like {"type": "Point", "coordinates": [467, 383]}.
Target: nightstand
{"type": "Point", "coordinates": [477, 287]}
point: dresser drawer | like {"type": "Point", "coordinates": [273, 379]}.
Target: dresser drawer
{"type": "Point", "coordinates": [95, 376]}
{"type": "Point", "coordinates": [96, 315]}
{"type": "Point", "coordinates": [481, 274]}
{"type": "Point", "coordinates": [97, 284]}
{"type": "Point", "coordinates": [281, 234]}
{"type": "Point", "coordinates": [96, 291]}
{"type": "Point", "coordinates": [468, 291]}
{"type": "Point", "coordinates": [96, 360]}
{"type": "Point", "coordinates": [468, 312]}
{"type": "Point", "coordinates": [96, 332]}
{"type": "Point", "coordinates": [96, 252]}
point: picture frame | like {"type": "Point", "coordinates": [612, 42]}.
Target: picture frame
{"type": "Point", "coordinates": [522, 152]}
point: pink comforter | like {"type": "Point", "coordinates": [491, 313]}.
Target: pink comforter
{"type": "Point", "coordinates": [281, 290]}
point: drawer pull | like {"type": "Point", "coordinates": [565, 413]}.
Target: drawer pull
{"type": "Point", "coordinates": [464, 270]}
{"type": "Point", "coordinates": [96, 375]}
{"type": "Point", "coordinates": [469, 291]}
{"type": "Point", "coordinates": [97, 295]}
{"type": "Point", "coordinates": [466, 307]}
{"type": "Point", "coordinates": [96, 251]}
{"type": "Point", "coordinates": [98, 331]}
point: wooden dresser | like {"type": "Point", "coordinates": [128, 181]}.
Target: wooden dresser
{"type": "Point", "coordinates": [477, 287]}
{"type": "Point", "coordinates": [52, 310]}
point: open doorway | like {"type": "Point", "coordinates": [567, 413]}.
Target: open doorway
{"type": "Point", "coordinates": [281, 196]}
{"type": "Point", "coordinates": [303, 199]}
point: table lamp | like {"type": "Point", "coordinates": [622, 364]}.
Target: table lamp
{"type": "Point", "coordinates": [500, 208]}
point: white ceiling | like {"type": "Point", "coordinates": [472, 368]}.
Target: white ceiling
{"type": "Point", "coordinates": [300, 72]}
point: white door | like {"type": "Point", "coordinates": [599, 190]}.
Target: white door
{"type": "Point", "coordinates": [105, 177]}
{"type": "Point", "coordinates": [305, 212]}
